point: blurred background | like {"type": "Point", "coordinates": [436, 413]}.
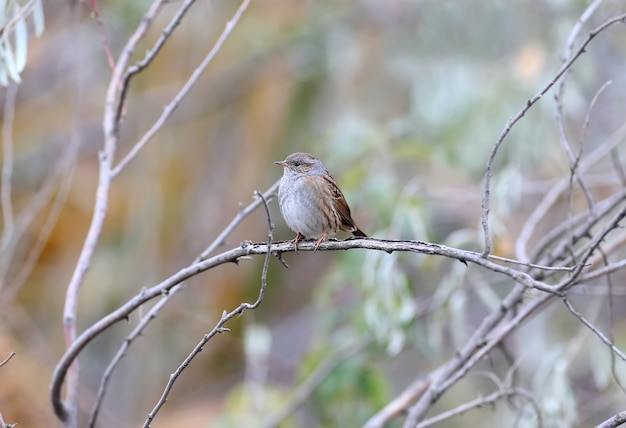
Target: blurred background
{"type": "Point", "coordinates": [402, 100]}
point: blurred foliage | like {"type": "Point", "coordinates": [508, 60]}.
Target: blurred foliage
{"type": "Point", "coordinates": [14, 36]}
{"type": "Point", "coordinates": [403, 100]}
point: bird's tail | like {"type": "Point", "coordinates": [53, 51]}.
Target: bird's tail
{"type": "Point", "coordinates": [358, 232]}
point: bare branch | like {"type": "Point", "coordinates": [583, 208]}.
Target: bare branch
{"type": "Point", "coordinates": [614, 421]}
{"type": "Point", "coordinates": [531, 265]}
{"type": "Point", "coordinates": [249, 249]}
{"type": "Point", "coordinates": [67, 413]}
{"type": "Point", "coordinates": [614, 267]}
{"type": "Point", "coordinates": [243, 213]}
{"type": "Point", "coordinates": [154, 311]}
{"type": "Point", "coordinates": [584, 221]}
{"type": "Point", "coordinates": [107, 156]}
{"type": "Point", "coordinates": [103, 37]}
{"type": "Point", "coordinates": [488, 400]}
{"type": "Point", "coordinates": [511, 122]}
{"type": "Point", "coordinates": [558, 96]}
{"type": "Point", "coordinates": [480, 344]}
{"type": "Point", "coordinates": [6, 360]}
{"type": "Point", "coordinates": [597, 332]}
{"type": "Point", "coordinates": [172, 105]}
{"type": "Point", "coordinates": [219, 328]}
{"type": "Point", "coordinates": [152, 53]}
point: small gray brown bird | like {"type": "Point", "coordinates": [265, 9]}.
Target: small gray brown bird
{"type": "Point", "coordinates": [311, 202]}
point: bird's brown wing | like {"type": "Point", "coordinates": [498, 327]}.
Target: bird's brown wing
{"type": "Point", "coordinates": [341, 205]}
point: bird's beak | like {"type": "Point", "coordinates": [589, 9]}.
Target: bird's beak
{"type": "Point", "coordinates": [281, 163]}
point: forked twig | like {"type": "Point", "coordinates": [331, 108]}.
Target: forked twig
{"type": "Point", "coordinates": [513, 120]}
{"type": "Point", "coordinates": [173, 104]}
{"type": "Point", "coordinates": [219, 327]}
{"type": "Point", "coordinates": [153, 312]}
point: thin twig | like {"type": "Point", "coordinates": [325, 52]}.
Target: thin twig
{"type": "Point", "coordinates": [574, 161]}
{"type": "Point", "coordinates": [68, 411]}
{"type": "Point", "coordinates": [173, 104]}
{"type": "Point", "coordinates": [582, 222]}
{"type": "Point", "coordinates": [241, 215]}
{"type": "Point", "coordinates": [597, 332]}
{"type": "Point", "coordinates": [552, 196]}
{"type": "Point", "coordinates": [112, 114]}
{"type": "Point", "coordinates": [511, 122]}
{"type": "Point", "coordinates": [592, 104]}
{"type": "Point", "coordinates": [249, 249]}
{"type": "Point", "coordinates": [150, 54]}
{"type": "Point", "coordinates": [611, 337]}
{"type": "Point", "coordinates": [476, 349]}
{"type": "Point", "coordinates": [532, 265]}
{"type": "Point", "coordinates": [478, 346]}
{"type": "Point", "coordinates": [488, 400]}
{"type": "Point", "coordinates": [593, 245]}
{"type": "Point", "coordinates": [6, 360]}
{"type": "Point", "coordinates": [154, 311]}
{"type": "Point", "coordinates": [219, 327]}
{"type": "Point", "coordinates": [105, 42]}
{"type": "Point", "coordinates": [614, 267]}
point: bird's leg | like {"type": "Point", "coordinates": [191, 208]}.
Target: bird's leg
{"type": "Point", "coordinates": [319, 241]}
{"type": "Point", "coordinates": [297, 239]}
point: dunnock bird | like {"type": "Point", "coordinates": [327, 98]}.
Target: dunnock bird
{"type": "Point", "coordinates": [310, 200]}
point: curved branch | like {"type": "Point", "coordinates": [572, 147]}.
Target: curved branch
{"type": "Point", "coordinates": [154, 311]}
{"type": "Point", "coordinates": [219, 327]}
{"type": "Point", "coordinates": [614, 421]}
{"type": "Point", "coordinates": [249, 249]}
{"type": "Point", "coordinates": [6, 360]}
{"type": "Point", "coordinates": [172, 105]}
{"type": "Point", "coordinates": [512, 121]}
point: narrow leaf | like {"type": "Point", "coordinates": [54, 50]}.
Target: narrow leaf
{"type": "Point", "coordinates": [4, 78]}
{"type": "Point", "coordinates": [3, 13]}
{"type": "Point", "coordinates": [9, 60]}
{"type": "Point", "coordinates": [38, 17]}
{"type": "Point", "coordinates": [21, 44]}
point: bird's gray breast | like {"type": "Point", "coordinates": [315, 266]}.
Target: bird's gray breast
{"type": "Point", "coordinates": [299, 205]}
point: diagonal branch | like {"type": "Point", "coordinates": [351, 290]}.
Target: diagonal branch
{"type": "Point", "coordinates": [172, 105]}
{"type": "Point", "coordinates": [249, 249]}
{"type": "Point", "coordinates": [219, 327]}
{"type": "Point", "coordinates": [620, 19]}
{"type": "Point", "coordinates": [614, 421]}
{"type": "Point", "coordinates": [154, 311]}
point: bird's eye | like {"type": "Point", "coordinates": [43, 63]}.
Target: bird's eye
{"type": "Point", "coordinates": [297, 163]}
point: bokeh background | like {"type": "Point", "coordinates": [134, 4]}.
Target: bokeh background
{"type": "Point", "coordinates": [402, 100]}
